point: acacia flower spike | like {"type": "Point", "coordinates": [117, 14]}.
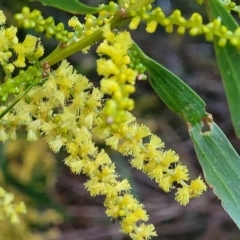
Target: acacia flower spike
{"type": "Point", "coordinates": [195, 25]}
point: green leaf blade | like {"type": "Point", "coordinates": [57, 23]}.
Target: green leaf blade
{"type": "Point", "coordinates": [221, 164]}
{"type": "Point", "coordinates": [228, 59]}
{"type": "Point", "coordinates": [72, 6]}
{"type": "Point", "coordinates": [178, 96]}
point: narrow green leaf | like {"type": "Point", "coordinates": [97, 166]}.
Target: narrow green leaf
{"type": "Point", "coordinates": [228, 59]}
{"type": "Point", "coordinates": [221, 165]}
{"type": "Point", "coordinates": [178, 96]}
{"type": "Point", "coordinates": [72, 6]}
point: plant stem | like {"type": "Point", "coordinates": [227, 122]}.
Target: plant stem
{"type": "Point", "coordinates": [61, 53]}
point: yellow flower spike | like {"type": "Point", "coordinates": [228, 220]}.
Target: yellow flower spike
{"type": "Point", "coordinates": [116, 75]}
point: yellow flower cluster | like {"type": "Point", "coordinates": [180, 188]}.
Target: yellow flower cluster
{"type": "Point", "coordinates": [119, 79]}
{"type": "Point", "coordinates": [194, 25]}
{"type": "Point", "coordinates": [71, 127]}
{"type": "Point", "coordinates": [8, 210]}
{"type": "Point", "coordinates": [68, 112]}
{"type": "Point", "coordinates": [30, 48]}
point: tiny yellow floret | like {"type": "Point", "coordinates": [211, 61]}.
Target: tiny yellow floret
{"type": "Point", "coordinates": [197, 187]}
{"type": "Point", "coordinates": [73, 22]}
{"type": "Point", "coordinates": [151, 26]}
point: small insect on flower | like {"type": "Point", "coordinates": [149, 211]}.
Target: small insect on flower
{"type": "Point", "coordinates": [46, 69]}
{"type": "Point", "coordinates": [123, 12]}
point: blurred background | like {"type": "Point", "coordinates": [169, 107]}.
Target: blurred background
{"type": "Point", "coordinates": [59, 207]}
